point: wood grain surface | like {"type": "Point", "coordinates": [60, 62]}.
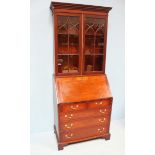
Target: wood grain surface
{"type": "Point", "coordinates": [82, 88]}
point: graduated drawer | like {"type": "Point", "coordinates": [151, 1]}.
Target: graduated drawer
{"type": "Point", "coordinates": [85, 133]}
{"type": "Point", "coordinates": [71, 107]}
{"type": "Point", "coordinates": [84, 105]}
{"type": "Point", "coordinates": [76, 115]}
{"type": "Point", "coordinates": [100, 104]}
{"type": "Point", "coordinates": [85, 123]}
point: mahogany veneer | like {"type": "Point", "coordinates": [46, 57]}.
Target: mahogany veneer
{"type": "Point", "coordinates": [82, 96]}
{"type": "Point", "coordinates": [80, 99]}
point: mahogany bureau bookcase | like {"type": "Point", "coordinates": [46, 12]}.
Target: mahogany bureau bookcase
{"type": "Point", "coordinates": [82, 97]}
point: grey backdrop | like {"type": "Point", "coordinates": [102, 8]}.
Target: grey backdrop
{"type": "Point", "coordinates": [42, 60]}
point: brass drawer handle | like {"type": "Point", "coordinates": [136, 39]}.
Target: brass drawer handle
{"type": "Point", "coordinates": [68, 126]}
{"type": "Point", "coordinates": [74, 107]}
{"type": "Point", "coordinates": [102, 120]}
{"type": "Point", "coordinates": [99, 102]}
{"type": "Point", "coordinates": [101, 130]}
{"type": "Point", "coordinates": [103, 111]}
{"type": "Point", "coordinates": [69, 116]}
{"type": "Point", "coordinates": [67, 136]}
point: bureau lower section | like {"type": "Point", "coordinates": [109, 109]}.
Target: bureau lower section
{"type": "Point", "coordinates": [83, 121]}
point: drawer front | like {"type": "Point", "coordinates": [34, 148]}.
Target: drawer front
{"type": "Point", "coordinates": [100, 104]}
{"type": "Point", "coordinates": [77, 135]}
{"type": "Point", "coordinates": [70, 116]}
{"type": "Point", "coordinates": [85, 123]}
{"type": "Point", "coordinates": [72, 107]}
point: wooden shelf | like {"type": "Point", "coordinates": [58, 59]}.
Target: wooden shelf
{"type": "Point", "coordinates": [76, 34]}
{"type": "Point", "coordinates": [95, 54]}
{"type": "Point", "coordinates": [67, 54]}
{"type": "Point", "coordinates": [98, 35]}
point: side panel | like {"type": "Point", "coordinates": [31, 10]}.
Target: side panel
{"type": "Point", "coordinates": [56, 123]}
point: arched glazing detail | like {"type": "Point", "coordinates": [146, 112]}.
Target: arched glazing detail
{"type": "Point", "coordinates": [94, 43]}
{"type": "Point", "coordinates": [68, 44]}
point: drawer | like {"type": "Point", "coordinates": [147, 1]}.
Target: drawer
{"type": "Point", "coordinates": [72, 107]}
{"type": "Point", "coordinates": [85, 105]}
{"type": "Point", "coordinates": [86, 133]}
{"type": "Point", "coordinates": [100, 104]}
{"type": "Point", "coordinates": [70, 116]}
{"type": "Point", "coordinates": [85, 123]}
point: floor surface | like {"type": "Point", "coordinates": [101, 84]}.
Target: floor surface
{"type": "Point", "coordinates": [45, 144]}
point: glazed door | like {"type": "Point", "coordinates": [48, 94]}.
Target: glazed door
{"type": "Point", "coordinates": [94, 44]}
{"type": "Point", "coordinates": [68, 45]}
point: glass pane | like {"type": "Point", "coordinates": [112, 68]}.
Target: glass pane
{"type": "Point", "coordinates": [68, 34]}
{"type": "Point", "coordinates": [73, 30]}
{"type": "Point", "coordinates": [98, 63]}
{"type": "Point", "coordinates": [89, 26]}
{"type": "Point", "coordinates": [89, 44]}
{"type": "Point", "coordinates": [73, 25]}
{"type": "Point", "coordinates": [62, 34]}
{"type": "Point", "coordinates": [99, 42]}
{"type": "Point", "coordinates": [73, 63]}
{"type": "Point", "coordinates": [94, 43]}
{"type": "Point", "coordinates": [62, 43]}
{"type": "Point", "coordinates": [63, 24]}
{"type": "Point", "coordinates": [89, 35]}
{"type": "Point", "coordinates": [99, 32]}
{"type": "Point", "coordinates": [88, 63]}
{"type": "Point", "coordinates": [63, 64]}
{"type": "Point", "coordinates": [68, 44]}
{"type": "Point", "coordinates": [99, 26]}
{"type": "Point", "coordinates": [73, 44]}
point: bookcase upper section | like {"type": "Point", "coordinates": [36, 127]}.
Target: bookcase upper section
{"type": "Point", "coordinates": [80, 38]}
